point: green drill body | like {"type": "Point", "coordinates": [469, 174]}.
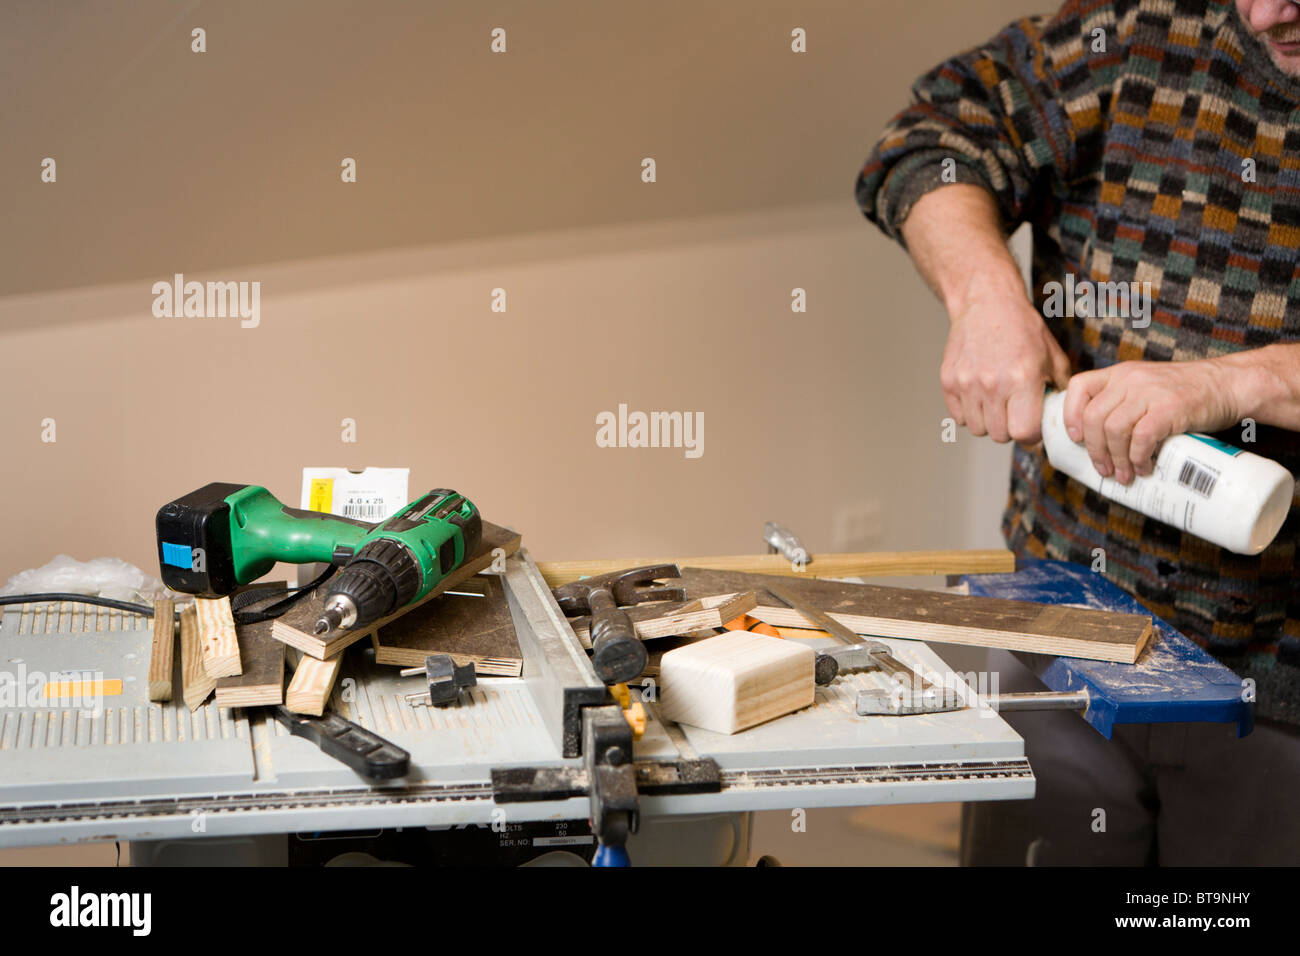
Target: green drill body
{"type": "Point", "coordinates": [226, 535]}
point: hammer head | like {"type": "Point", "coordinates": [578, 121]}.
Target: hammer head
{"type": "Point", "coordinates": [631, 586]}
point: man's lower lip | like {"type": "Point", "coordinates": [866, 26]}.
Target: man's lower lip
{"type": "Point", "coordinates": [1292, 47]}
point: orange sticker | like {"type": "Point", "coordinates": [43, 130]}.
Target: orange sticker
{"type": "Point", "coordinates": [82, 689]}
{"type": "Point", "coordinates": [747, 623]}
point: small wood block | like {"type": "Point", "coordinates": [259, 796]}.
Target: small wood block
{"type": "Point", "coordinates": [470, 629]}
{"type": "Point", "coordinates": [313, 682]}
{"type": "Point", "coordinates": [295, 626]}
{"type": "Point", "coordinates": [196, 683]}
{"type": "Point", "coordinates": [735, 681]}
{"type": "Point", "coordinates": [665, 645]}
{"type": "Point", "coordinates": [217, 637]}
{"type": "Point", "coordinates": [262, 680]}
{"type": "Point", "coordinates": [164, 649]}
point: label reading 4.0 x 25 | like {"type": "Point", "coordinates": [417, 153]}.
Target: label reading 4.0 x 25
{"type": "Point", "coordinates": [371, 495]}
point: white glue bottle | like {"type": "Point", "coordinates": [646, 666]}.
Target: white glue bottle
{"type": "Point", "coordinates": [1232, 498]}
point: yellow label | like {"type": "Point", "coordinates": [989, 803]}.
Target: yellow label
{"type": "Point", "coordinates": [82, 689]}
{"type": "Point", "coordinates": [322, 495]}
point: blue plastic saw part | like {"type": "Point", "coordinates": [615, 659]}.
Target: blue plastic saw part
{"type": "Point", "coordinates": [1174, 681]}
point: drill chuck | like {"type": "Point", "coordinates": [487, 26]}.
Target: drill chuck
{"type": "Point", "coordinates": [379, 579]}
{"type": "Point", "coordinates": [339, 612]}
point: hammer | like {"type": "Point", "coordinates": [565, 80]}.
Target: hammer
{"type": "Point", "coordinates": [617, 653]}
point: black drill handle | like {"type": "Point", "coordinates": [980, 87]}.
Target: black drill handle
{"type": "Point", "coordinates": [617, 653]}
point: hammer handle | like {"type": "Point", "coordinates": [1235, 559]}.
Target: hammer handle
{"type": "Point", "coordinates": [617, 653]}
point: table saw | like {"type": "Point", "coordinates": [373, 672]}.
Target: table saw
{"type": "Point", "coordinates": [156, 772]}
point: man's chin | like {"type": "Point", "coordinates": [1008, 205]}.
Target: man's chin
{"type": "Point", "coordinates": [1288, 63]}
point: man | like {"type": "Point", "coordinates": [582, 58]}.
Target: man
{"type": "Point", "coordinates": [1154, 142]}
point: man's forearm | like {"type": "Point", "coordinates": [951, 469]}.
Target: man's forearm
{"type": "Point", "coordinates": [999, 351]}
{"type": "Point", "coordinates": [1265, 383]}
{"type": "Point", "coordinates": [954, 235]}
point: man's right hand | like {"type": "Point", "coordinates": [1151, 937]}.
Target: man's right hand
{"type": "Point", "coordinates": [999, 356]}
{"type": "Point", "coordinates": [1000, 353]}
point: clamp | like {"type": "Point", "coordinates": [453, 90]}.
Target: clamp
{"type": "Point", "coordinates": [446, 679]}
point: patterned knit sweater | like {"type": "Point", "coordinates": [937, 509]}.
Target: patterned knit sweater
{"type": "Point", "coordinates": [1148, 141]}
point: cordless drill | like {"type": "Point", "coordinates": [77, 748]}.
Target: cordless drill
{"type": "Point", "coordinates": [225, 535]}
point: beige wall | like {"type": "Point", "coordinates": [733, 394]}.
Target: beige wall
{"type": "Point", "coordinates": [806, 416]}
{"type": "Point", "coordinates": [375, 304]}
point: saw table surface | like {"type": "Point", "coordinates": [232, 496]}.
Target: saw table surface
{"type": "Point", "coordinates": [133, 769]}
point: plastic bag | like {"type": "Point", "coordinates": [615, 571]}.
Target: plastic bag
{"type": "Point", "coordinates": [105, 577]}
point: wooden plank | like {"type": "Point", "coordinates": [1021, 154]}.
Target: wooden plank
{"type": "Point", "coordinates": [294, 627]}
{"type": "Point", "coordinates": [483, 666]}
{"type": "Point", "coordinates": [217, 637]}
{"type": "Point", "coordinates": [735, 681]}
{"type": "Point", "coordinates": [313, 682]}
{"type": "Point", "coordinates": [950, 618]}
{"type": "Point", "coordinates": [800, 634]}
{"type": "Point", "coordinates": [262, 680]}
{"type": "Point", "coordinates": [196, 683]}
{"type": "Point", "coordinates": [1054, 629]}
{"type": "Point", "coordinates": [163, 654]}
{"type": "Point", "coordinates": [477, 630]}
{"type": "Point", "coordinates": [671, 620]}
{"type": "Point", "coordinates": [845, 565]}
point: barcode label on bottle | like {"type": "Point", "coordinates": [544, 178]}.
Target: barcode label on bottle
{"type": "Point", "coordinates": [365, 509]}
{"type": "Point", "coordinates": [1198, 477]}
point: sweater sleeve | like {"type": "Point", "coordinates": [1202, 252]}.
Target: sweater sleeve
{"type": "Point", "coordinates": [1023, 113]}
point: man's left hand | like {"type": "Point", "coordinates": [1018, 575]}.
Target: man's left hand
{"type": "Point", "coordinates": [1123, 413]}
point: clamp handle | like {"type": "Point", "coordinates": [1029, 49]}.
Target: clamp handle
{"type": "Point", "coordinates": [363, 750]}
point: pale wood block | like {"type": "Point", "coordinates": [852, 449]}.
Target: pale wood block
{"type": "Point", "coordinates": [313, 681]}
{"type": "Point", "coordinates": [217, 637]}
{"type": "Point", "coordinates": [735, 681]}
{"type": "Point", "coordinates": [196, 683]}
{"type": "Point", "coordinates": [163, 653]}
